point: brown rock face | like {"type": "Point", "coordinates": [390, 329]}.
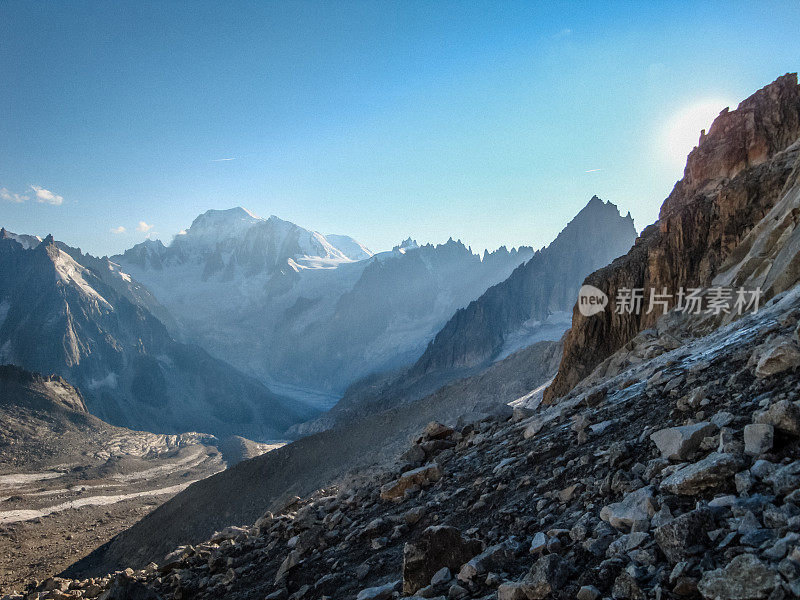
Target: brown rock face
{"type": "Point", "coordinates": [438, 547]}
{"type": "Point", "coordinates": [732, 179]}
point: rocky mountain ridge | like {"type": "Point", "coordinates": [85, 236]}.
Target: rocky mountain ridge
{"type": "Point", "coordinates": [545, 285]}
{"type": "Point", "coordinates": [733, 178]}
{"type": "Point", "coordinates": [528, 307]}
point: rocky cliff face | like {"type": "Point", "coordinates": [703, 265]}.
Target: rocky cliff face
{"type": "Point", "coordinates": [545, 285]}
{"type": "Point", "coordinates": [732, 179]}
{"type": "Point", "coordinates": [24, 388]}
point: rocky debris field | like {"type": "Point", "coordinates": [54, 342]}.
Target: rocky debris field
{"type": "Point", "coordinates": [679, 477]}
{"type": "Point", "coordinates": [52, 516]}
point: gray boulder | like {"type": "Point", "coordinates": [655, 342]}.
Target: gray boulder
{"type": "Point", "coordinates": [424, 475]}
{"type": "Point", "coordinates": [783, 416]}
{"type": "Point", "coordinates": [706, 474]}
{"type": "Point", "coordinates": [684, 532]}
{"type": "Point", "coordinates": [779, 358]}
{"type": "Point", "coordinates": [758, 438]}
{"type": "Point", "coordinates": [744, 578]}
{"type": "Point", "coordinates": [633, 513]}
{"type": "Point", "coordinates": [381, 592]}
{"type": "Point", "coordinates": [678, 443]}
{"type": "Point", "coordinates": [785, 479]}
{"type": "Point", "coordinates": [547, 575]}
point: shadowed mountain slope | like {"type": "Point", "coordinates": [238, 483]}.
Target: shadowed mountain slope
{"type": "Point", "coordinates": [61, 315]}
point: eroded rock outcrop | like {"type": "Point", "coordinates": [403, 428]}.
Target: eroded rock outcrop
{"type": "Point", "coordinates": [733, 178]}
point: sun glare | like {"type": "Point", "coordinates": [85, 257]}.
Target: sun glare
{"type": "Point", "coordinates": [682, 132]}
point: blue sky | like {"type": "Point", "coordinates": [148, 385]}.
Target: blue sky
{"type": "Point", "coordinates": [489, 122]}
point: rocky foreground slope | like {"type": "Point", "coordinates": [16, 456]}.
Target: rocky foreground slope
{"type": "Point", "coordinates": [298, 468]}
{"type": "Point", "coordinates": [678, 477]}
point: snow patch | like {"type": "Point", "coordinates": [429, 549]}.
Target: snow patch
{"type": "Point", "coordinates": [109, 381]}
{"type": "Point", "coordinates": [71, 273]}
{"type": "Point", "coordinates": [533, 398]}
{"type": "Point", "coordinates": [532, 331]}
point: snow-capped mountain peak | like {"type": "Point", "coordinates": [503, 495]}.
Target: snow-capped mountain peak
{"type": "Point", "coordinates": [224, 240]}
{"type": "Point", "coordinates": [217, 225]}
{"type": "Point", "coordinates": [349, 247]}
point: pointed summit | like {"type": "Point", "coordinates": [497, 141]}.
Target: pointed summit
{"type": "Point", "coordinates": [497, 323]}
{"type": "Point", "coordinates": [406, 244]}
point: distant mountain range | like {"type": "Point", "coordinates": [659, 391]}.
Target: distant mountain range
{"type": "Point", "coordinates": [516, 313]}
{"type": "Point", "coordinates": [248, 326]}
{"type": "Point", "coordinates": [301, 310]}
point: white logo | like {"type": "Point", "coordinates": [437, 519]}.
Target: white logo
{"type": "Point", "coordinates": [591, 300]}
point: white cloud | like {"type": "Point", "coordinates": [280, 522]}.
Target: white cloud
{"type": "Point", "coordinates": [117, 230]}
{"type": "Point", "coordinates": [44, 196]}
{"type": "Point", "coordinates": [5, 194]}
{"type": "Point", "coordinates": [143, 227]}
{"type": "Point", "coordinates": [222, 159]}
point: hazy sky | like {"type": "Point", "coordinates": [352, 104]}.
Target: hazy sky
{"type": "Point", "coordinates": [489, 122]}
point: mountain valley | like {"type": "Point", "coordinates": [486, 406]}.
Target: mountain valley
{"type": "Point", "coordinates": [664, 465]}
{"type": "Point", "coordinates": [67, 475]}
{"type": "Point", "coordinates": [288, 306]}
{"type": "Point", "coordinates": [459, 435]}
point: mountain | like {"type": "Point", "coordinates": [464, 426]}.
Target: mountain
{"type": "Point", "coordinates": [349, 247]}
{"type": "Point", "coordinates": [512, 314]}
{"type": "Point", "coordinates": [530, 306]}
{"type": "Point", "coordinates": [27, 241]}
{"type": "Point", "coordinates": [86, 320]}
{"type": "Point", "coordinates": [733, 178]}
{"type": "Point", "coordinates": [226, 243]}
{"type": "Point", "coordinates": [303, 311]}
{"type": "Point", "coordinates": [670, 469]}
